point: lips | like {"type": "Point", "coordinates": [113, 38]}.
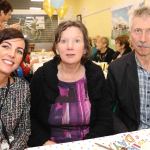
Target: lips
{"type": "Point", "coordinates": [8, 62]}
{"type": "Point", "coordinates": [70, 54]}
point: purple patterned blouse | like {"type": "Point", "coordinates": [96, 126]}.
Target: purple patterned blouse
{"type": "Point", "coordinates": [69, 116]}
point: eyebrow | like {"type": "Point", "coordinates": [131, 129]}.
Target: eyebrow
{"type": "Point", "coordinates": [11, 44]}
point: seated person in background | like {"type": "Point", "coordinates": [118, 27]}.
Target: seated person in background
{"type": "Point", "coordinates": [5, 14]}
{"type": "Point", "coordinates": [122, 46]}
{"type": "Point", "coordinates": [128, 80]}
{"type": "Point", "coordinates": [26, 66]}
{"type": "Point", "coordinates": [14, 92]}
{"type": "Point", "coordinates": [104, 53]}
{"type": "Point", "coordinates": [66, 104]}
{"type": "Point", "coordinates": [93, 46]}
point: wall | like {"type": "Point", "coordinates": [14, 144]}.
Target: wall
{"type": "Point", "coordinates": [96, 14]}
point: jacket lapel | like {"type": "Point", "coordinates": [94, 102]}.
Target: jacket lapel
{"type": "Point", "coordinates": [132, 75]}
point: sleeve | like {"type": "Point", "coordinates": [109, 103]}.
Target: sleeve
{"type": "Point", "coordinates": [39, 131]}
{"type": "Point", "coordinates": [111, 95]}
{"type": "Point", "coordinates": [101, 114]}
{"type": "Point", "coordinates": [22, 131]}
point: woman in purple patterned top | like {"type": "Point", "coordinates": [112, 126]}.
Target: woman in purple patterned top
{"type": "Point", "coordinates": [67, 92]}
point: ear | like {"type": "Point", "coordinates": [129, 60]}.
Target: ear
{"type": "Point", "coordinates": [57, 52]}
{"type": "Point", "coordinates": [84, 51]}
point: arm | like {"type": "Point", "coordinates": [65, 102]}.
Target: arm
{"type": "Point", "coordinates": [22, 131]}
{"type": "Point", "coordinates": [111, 90]}
{"type": "Point", "coordinates": [101, 115]}
{"type": "Point", "coordinates": [39, 126]}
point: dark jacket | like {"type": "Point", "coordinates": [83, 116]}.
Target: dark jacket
{"type": "Point", "coordinates": [44, 91]}
{"type": "Point", "coordinates": [104, 57]}
{"type": "Point", "coordinates": [115, 55]}
{"type": "Point", "coordinates": [123, 90]}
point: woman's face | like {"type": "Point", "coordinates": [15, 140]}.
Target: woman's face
{"type": "Point", "coordinates": [11, 54]}
{"type": "Point", "coordinates": [5, 17]}
{"type": "Point", "coordinates": [71, 46]}
{"type": "Point", "coordinates": [118, 46]}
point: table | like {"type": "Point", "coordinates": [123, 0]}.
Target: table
{"type": "Point", "coordinates": [137, 140]}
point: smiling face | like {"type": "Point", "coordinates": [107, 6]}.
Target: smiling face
{"type": "Point", "coordinates": [11, 54]}
{"type": "Point", "coordinates": [71, 45]}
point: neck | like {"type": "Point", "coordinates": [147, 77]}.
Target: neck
{"type": "Point", "coordinates": [103, 50]}
{"type": "Point", "coordinates": [3, 81]}
{"type": "Point", "coordinates": [1, 25]}
{"type": "Point", "coordinates": [122, 51]}
{"type": "Point", "coordinates": [70, 68]}
{"type": "Point", "coordinates": [145, 62]}
{"type": "Point", "coordinates": [70, 72]}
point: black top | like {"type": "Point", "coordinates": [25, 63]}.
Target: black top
{"type": "Point", "coordinates": [104, 57]}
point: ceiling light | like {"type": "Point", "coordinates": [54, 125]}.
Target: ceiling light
{"type": "Point", "coordinates": [37, 0]}
{"type": "Point", "coordinates": [34, 8]}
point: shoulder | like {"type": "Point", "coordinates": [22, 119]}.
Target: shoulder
{"type": "Point", "coordinates": [47, 68]}
{"type": "Point", "coordinates": [121, 63]}
{"type": "Point", "coordinates": [110, 50]}
{"type": "Point", "coordinates": [91, 66]}
{"type": "Point", "coordinates": [21, 82]}
{"type": "Point", "coordinates": [93, 71]}
{"type": "Point", "coordinates": [125, 59]}
{"type": "Point", "coordinates": [21, 89]}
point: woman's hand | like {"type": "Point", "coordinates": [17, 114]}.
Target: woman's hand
{"type": "Point", "coordinates": [15, 25]}
{"type": "Point", "coordinates": [49, 142]}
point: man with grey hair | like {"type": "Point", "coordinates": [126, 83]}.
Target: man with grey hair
{"type": "Point", "coordinates": [128, 80]}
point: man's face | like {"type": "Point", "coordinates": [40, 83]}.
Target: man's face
{"type": "Point", "coordinates": [140, 35]}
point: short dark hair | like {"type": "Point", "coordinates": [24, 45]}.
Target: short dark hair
{"type": "Point", "coordinates": [66, 24]}
{"type": "Point", "coordinates": [5, 6]}
{"type": "Point", "coordinates": [12, 33]}
{"type": "Point", "coordinates": [123, 40]}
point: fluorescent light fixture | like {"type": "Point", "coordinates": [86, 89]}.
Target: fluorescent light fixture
{"type": "Point", "coordinates": [37, 0]}
{"type": "Point", "coordinates": [35, 8]}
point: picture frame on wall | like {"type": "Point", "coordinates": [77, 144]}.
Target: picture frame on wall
{"type": "Point", "coordinates": [79, 17]}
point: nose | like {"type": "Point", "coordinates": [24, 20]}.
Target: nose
{"type": "Point", "coordinates": [70, 45]}
{"type": "Point", "coordinates": [12, 53]}
{"type": "Point", "coordinates": [143, 36]}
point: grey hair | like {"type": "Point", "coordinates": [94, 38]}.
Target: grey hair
{"type": "Point", "coordinates": [138, 12]}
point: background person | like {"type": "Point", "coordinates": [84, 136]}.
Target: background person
{"type": "Point", "coordinates": [5, 14]}
{"type": "Point", "coordinates": [129, 77]}
{"type": "Point", "coordinates": [14, 92]}
{"type": "Point", "coordinates": [122, 46]}
{"type": "Point", "coordinates": [104, 52]}
{"type": "Point", "coordinates": [66, 104]}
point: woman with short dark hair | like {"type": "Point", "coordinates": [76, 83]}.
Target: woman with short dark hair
{"type": "Point", "coordinates": [14, 92]}
{"type": "Point", "coordinates": [67, 102]}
